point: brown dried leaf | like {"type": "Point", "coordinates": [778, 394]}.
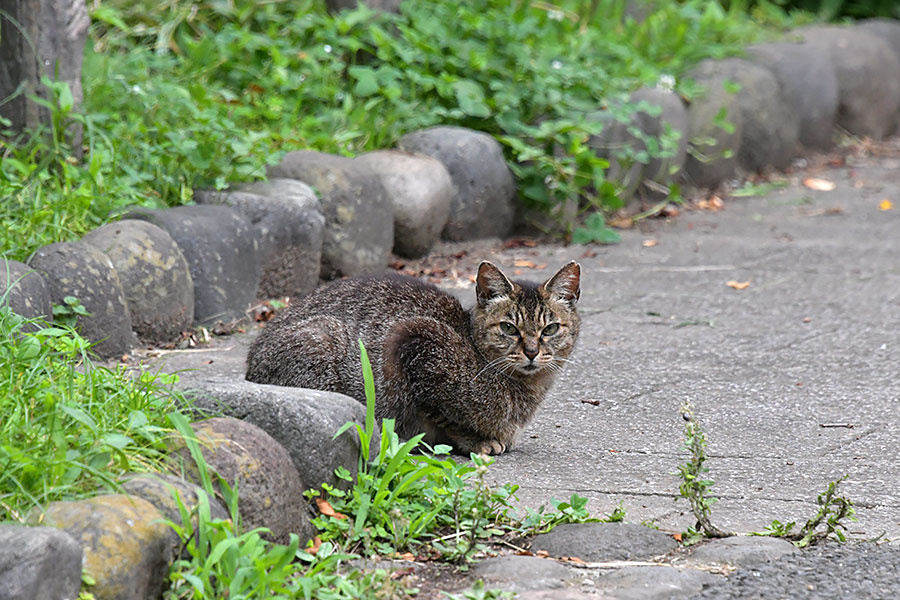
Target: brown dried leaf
{"type": "Point", "coordinates": [819, 185]}
{"type": "Point", "coordinates": [519, 243]}
{"type": "Point", "coordinates": [317, 542]}
{"type": "Point", "coordinates": [649, 243]}
{"type": "Point", "coordinates": [326, 509]}
{"type": "Point", "coordinates": [621, 222]}
{"type": "Point", "coordinates": [542, 553]}
{"type": "Point", "coordinates": [525, 263]}
{"type": "Point", "coordinates": [738, 285]}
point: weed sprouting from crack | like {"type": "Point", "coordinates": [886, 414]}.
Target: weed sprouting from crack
{"type": "Point", "coordinates": [694, 486]}
{"type": "Point", "coordinates": [834, 511]}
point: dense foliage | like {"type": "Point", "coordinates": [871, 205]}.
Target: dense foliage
{"type": "Point", "coordinates": [182, 94]}
{"type": "Point", "coordinates": [69, 427]}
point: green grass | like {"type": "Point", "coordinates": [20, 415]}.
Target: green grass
{"type": "Point", "coordinates": [184, 94]}
{"type": "Point", "coordinates": [69, 427]}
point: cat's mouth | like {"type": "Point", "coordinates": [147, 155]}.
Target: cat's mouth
{"type": "Point", "coordinates": [530, 368]}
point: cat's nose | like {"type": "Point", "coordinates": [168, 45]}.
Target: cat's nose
{"type": "Point", "coordinates": [530, 353]}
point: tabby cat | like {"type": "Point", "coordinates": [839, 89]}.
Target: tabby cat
{"type": "Point", "coordinates": [471, 379]}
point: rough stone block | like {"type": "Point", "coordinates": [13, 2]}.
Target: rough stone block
{"type": "Point", "coordinates": [38, 562]}
{"type": "Point", "coordinates": [420, 189]}
{"type": "Point", "coordinates": [769, 125]}
{"type": "Point", "coordinates": [81, 270]}
{"type": "Point", "coordinates": [594, 542]}
{"type": "Point", "coordinates": [359, 222]}
{"type": "Point", "coordinates": [159, 488]}
{"type": "Point", "coordinates": [303, 421]}
{"type": "Point", "coordinates": [868, 74]}
{"type": "Point", "coordinates": [270, 491]}
{"type": "Point", "coordinates": [713, 145]}
{"type": "Point", "coordinates": [482, 204]}
{"type": "Point", "coordinates": [222, 252]}
{"type": "Point", "coordinates": [288, 216]}
{"type": "Point", "coordinates": [154, 275]}
{"type": "Point", "coordinates": [808, 84]}
{"type": "Point", "coordinates": [127, 547]}
{"type": "Point", "coordinates": [25, 289]}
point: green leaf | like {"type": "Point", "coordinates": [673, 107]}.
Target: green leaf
{"type": "Point", "coordinates": [366, 81]}
{"type": "Point", "coordinates": [66, 101]}
{"type": "Point", "coordinates": [470, 97]}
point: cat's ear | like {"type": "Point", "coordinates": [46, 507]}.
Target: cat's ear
{"type": "Point", "coordinates": [566, 284]}
{"type": "Point", "coordinates": [491, 283]}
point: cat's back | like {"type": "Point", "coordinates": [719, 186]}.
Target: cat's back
{"type": "Point", "coordinates": [372, 304]}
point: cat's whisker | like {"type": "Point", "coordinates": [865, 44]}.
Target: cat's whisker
{"type": "Point", "coordinates": [492, 365]}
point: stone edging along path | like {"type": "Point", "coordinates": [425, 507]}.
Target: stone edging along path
{"type": "Point", "coordinates": [156, 273]}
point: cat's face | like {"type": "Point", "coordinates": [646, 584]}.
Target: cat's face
{"type": "Point", "coordinates": [524, 328]}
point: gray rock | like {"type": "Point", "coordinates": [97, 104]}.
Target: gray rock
{"type": "Point", "coordinates": [420, 189]}
{"type": "Point", "coordinates": [769, 127]}
{"type": "Point", "coordinates": [808, 83]}
{"type": "Point", "coordinates": [81, 270]}
{"type": "Point", "coordinates": [222, 252]}
{"type": "Point", "coordinates": [483, 187]}
{"type": "Point", "coordinates": [359, 224]}
{"type": "Point", "coordinates": [889, 31]}
{"type": "Point", "coordinates": [521, 573]}
{"type": "Point", "coordinates": [595, 542]}
{"type": "Point", "coordinates": [288, 216]}
{"type": "Point", "coordinates": [615, 143]}
{"type": "Point", "coordinates": [25, 289]}
{"type": "Point", "coordinates": [159, 489]}
{"type": "Point", "coordinates": [742, 551]}
{"type": "Point", "coordinates": [672, 118]}
{"type": "Point", "coordinates": [655, 583]}
{"type": "Point", "coordinates": [154, 275]}
{"type": "Point", "coordinates": [38, 562]}
{"type": "Point", "coordinates": [713, 145]}
{"type": "Point", "coordinates": [127, 546]}
{"type": "Point", "coordinates": [270, 493]}
{"type": "Point", "coordinates": [868, 74]}
{"type": "Point", "coordinates": [303, 421]}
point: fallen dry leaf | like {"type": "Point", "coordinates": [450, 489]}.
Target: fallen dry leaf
{"type": "Point", "coordinates": [738, 285]}
{"type": "Point", "coordinates": [670, 211]}
{"type": "Point", "coordinates": [316, 542]}
{"type": "Point", "coordinates": [572, 559]}
{"type": "Point", "coordinates": [713, 203]}
{"type": "Point", "coordinates": [677, 537]}
{"type": "Point", "coordinates": [649, 243]}
{"type": "Point", "coordinates": [886, 204]}
{"type": "Point", "coordinates": [542, 553]}
{"type": "Point", "coordinates": [326, 509]}
{"type": "Point", "coordinates": [525, 263]}
{"type": "Point", "coordinates": [519, 243]}
{"type": "Point", "coordinates": [621, 222]}
{"type": "Point", "coordinates": [819, 185]}
{"type": "Point", "coordinates": [806, 319]}
{"type": "Point", "coordinates": [589, 254]}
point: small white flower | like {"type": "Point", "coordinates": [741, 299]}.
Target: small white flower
{"type": "Point", "coordinates": [555, 15]}
{"type": "Point", "coordinates": [136, 89]}
{"type": "Point", "coordinates": [327, 48]}
{"type": "Point", "coordinates": [302, 78]}
{"type": "Point", "coordinates": [666, 82]}
{"type": "Point", "coordinates": [556, 64]}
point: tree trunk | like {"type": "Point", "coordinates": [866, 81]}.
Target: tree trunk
{"type": "Point", "coordinates": [40, 38]}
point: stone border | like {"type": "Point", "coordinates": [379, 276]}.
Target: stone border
{"type": "Point", "coordinates": [155, 273]}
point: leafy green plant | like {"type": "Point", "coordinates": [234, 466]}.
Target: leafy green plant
{"type": "Point", "coordinates": [70, 427]}
{"type": "Point", "coordinates": [412, 498]}
{"type": "Point", "coordinates": [479, 592]}
{"type": "Point", "coordinates": [834, 511]}
{"type": "Point", "coordinates": [220, 559]}
{"type": "Point", "coordinates": [694, 485]}
{"type": "Point", "coordinates": [68, 312]}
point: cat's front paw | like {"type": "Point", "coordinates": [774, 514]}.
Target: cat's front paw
{"type": "Point", "coordinates": [490, 447]}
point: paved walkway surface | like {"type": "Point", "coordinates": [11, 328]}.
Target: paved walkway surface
{"type": "Point", "coordinates": [777, 316]}
{"type": "Point", "coordinates": [795, 378]}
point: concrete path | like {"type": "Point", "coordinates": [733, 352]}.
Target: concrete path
{"type": "Point", "coordinates": [795, 378]}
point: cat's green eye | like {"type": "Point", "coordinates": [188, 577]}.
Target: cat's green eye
{"type": "Point", "coordinates": [508, 328]}
{"type": "Point", "coordinates": [550, 329]}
